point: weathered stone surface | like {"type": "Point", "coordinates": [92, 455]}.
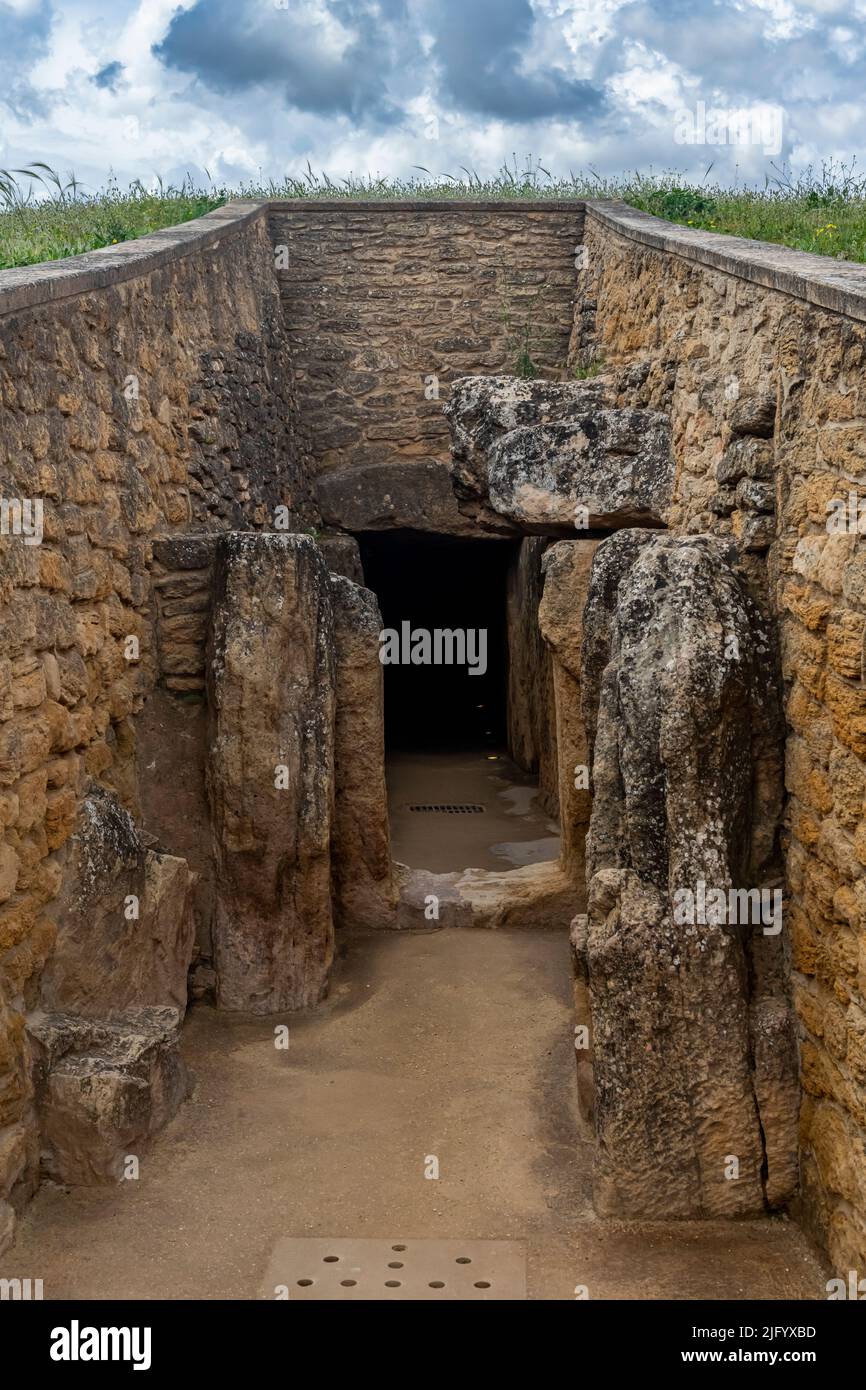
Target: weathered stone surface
{"type": "Point", "coordinates": [364, 890]}
{"type": "Point", "coordinates": [572, 453]}
{"type": "Point", "coordinates": [415, 495]}
{"type": "Point", "coordinates": [583, 1055]}
{"type": "Point", "coordinates": [560, 616]}
{"type": "Point", "coordinates": [536, 896]}
{"type": "Point", "coordinates": [680, 700]}
{"type": "Point", "coordinates": [615, 464]}
{"type": "Point", "coordinates": [481, 409]}
{"type": "Point", "coordinates": [124, 926]}
{"type": "Point", "coordinates": [104, 1088]}
{"type": "Point", "coordinates": [270, 771]}
{"type": "Point", "coordinates": [342, 556]}
{"type": "Point", "coordinates": [171, 752]}
{"type": "Point", "coordinates": [530, 707]}
{"type": "Point", "coordinates": [7, 1225]}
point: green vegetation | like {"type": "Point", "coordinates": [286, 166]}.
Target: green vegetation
{"type": "Point", "coordinates": [824, 213]}
{"type": "Point", "coordinates": [44, 217]}
{"type": "Point", "coordinates": [589, 369]}
{"type": "Point", "coordinates": [65, 220]}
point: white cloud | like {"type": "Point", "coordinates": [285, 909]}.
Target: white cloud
{"type": "Point", "coordinates": [587, 82]}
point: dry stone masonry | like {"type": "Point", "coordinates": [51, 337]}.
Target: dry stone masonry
{"type": "Point", "coordinates": [192, 791]}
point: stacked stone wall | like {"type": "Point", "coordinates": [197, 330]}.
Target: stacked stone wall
{"type": "Point", "coordinates": [759, 356]}
{"type": "Point", "coordinates": [145, 391]}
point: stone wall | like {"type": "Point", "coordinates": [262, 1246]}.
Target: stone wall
{"type": "Point", "coordinates": [759, 356]}
{"type": "Point", "coordinates": [145, 390]}
{"type": "Point", "coordinates": [386, 305]}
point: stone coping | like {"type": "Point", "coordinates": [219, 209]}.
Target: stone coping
{"type": "Point", "coordinates": [839, 286]}
{"type": "Point", "coordinates": [26, 286]}
{"type": "Point", "coordinates": [836, 285]}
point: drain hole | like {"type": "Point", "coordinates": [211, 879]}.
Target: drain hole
{"type": "Point", "coordinates": [398, 1247]}
{"type": "Point", "coordinates": [436, 1284]}
{"type": "Point", "coordinates": [463, 1260]}
{"type": "Point", "coordinates": [330, 1259]}
{"type": "Point", "coordinates": [456, 808]}
{"type": "Point", "coordinates": [482, 1284]}
{"type": "Point", "coordinates": [348, 1283]}
{"type": "Point", "coordinates": [395, 1264]}
{"type": "Point", "coordinates": [305, 1283]}
{"type": "Point", "coordinates": [392, 1283]}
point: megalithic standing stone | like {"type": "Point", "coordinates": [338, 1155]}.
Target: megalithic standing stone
{"type": "Point", "coordinates": [695, 1064]}
{"type": "Point", "coordinates": [271, 771]}
{"type": "Point", "coordinates": [365, 894]}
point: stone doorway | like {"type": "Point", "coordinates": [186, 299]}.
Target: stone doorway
{"type": "Point", "coordinates": [457, 799]}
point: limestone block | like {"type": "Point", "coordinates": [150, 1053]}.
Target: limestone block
{"type": "Point", "coordinates": [342, 556]}
{"type": "Point", "coordinates": [481, 409]}
{"type": "Point", "coordinates": [694, 1062]}
{"type": "Point", "coordinates": [270, 771]}
{"type": "Point", "coordinates": [124, 920]}
{"type": "Point", "coordinates": [566, 584]}
{"type": "Point", "coordinates": [531, 700]}
{"type": "Point", "coordinates": [615, 465]}
{"type": "Point", "coordinates": [416, 495]}
{"type": "Point", "coordinates": [364, 890]}
{"type": "Point", "coordinates": [104, 1088]}
{"type": "Point", "coordinates": [535, 897]}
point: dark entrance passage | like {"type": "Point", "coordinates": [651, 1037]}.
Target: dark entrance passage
{"type": "Point", "coordinates": [456, 799]}
{"type": "Point", "coordinates": [451, 694]}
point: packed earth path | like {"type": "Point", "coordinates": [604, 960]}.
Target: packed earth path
{"type": "Point", "coordinates": [455, 1044]}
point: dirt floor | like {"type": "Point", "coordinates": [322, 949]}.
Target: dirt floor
{"type": "Point", "coordinates": [453, 1044]}
{"type": "Point", "coordinates": [512, 829]}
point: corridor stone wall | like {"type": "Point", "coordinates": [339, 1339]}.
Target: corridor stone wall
{"type": "Point", "coordinates": [387, 304]}
{"type": "Point", "coordinates": [145, 390]}
{"type": "Point", "coordinates": [759, 356]}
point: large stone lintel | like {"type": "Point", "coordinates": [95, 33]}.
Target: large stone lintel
{"type": "Point", "coordinates": [554, 457]}
{"type": "Point", "coordinates": [406, 495]}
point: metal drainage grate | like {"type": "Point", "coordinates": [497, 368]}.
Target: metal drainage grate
{"type": "Point", "coordinates": [484, 1270]}
{"type": "Point", "coordinates": [454, 808]}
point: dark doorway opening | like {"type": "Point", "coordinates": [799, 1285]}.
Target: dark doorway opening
{"type": "Point", "coordinates": [437, 584]}
{"type": "Point", "coordinates": [456, 798]}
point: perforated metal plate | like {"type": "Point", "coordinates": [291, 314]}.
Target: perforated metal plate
{"type": "Point", "coordinates": [485, 1270]}
{"type": "Point", "coordinates": [454, 808]}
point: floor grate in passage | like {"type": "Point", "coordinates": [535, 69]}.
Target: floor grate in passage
{"type": "Point", "coordinates": [467, 1270]}
{"type": "Point", "coordinates": [454, 808]}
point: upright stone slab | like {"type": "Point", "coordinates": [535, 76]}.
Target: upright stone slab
{"type": "Point", "coordinates": [560, 615]}
{"type": "Point", "coordinates": [125, 929]}
{"type": "Point", "coordinates": [695, 1071]}
{"type": "Point", "coordinates": [270, 771]}
{"type": "Point", "coordinates": [365, 894]}
{"type": "Point", "coordinates": [531, 713]}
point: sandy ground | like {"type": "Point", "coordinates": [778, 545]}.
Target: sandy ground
{"type": "Point", "coordinates": [455, 1044]}
{"type": "Point", "coordinates": [511, 831]}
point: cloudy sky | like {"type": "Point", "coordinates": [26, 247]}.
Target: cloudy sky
{"type": "Point", "coordinates": [254, 88]}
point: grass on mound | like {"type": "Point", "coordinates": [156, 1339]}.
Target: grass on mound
{"type": "Point", "coordinates": [44, 218]}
